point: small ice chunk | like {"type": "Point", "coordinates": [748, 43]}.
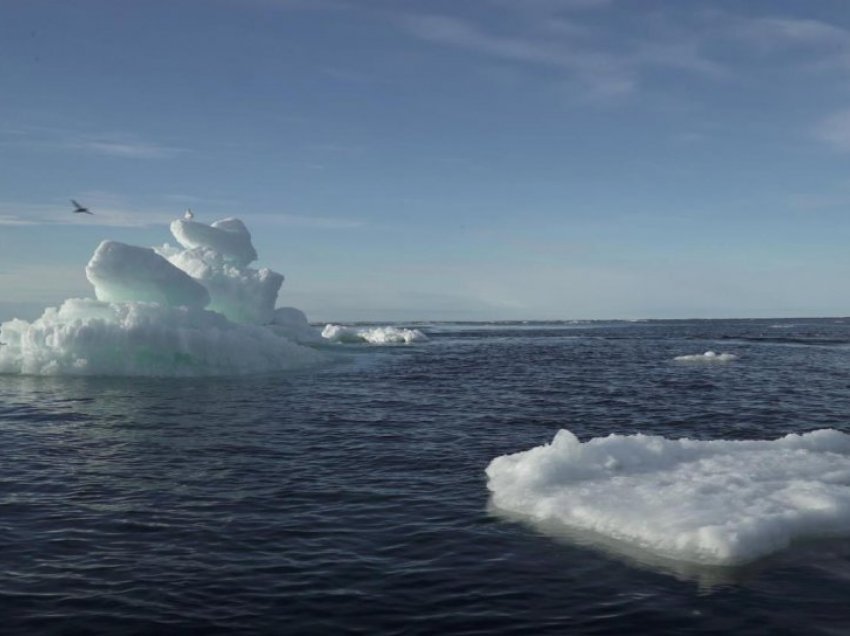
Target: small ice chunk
{"type": "Point", "coordinates": [372, 335]}
{"type": "Point", "coordinates": [708, 356]}
{"type": "Point", "coordinates": [123, 273]}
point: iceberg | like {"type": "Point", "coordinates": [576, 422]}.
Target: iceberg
{"type": "Point", "coordinates": [193, 310]}
{"type": "Point", "coordinates": [703, 502]}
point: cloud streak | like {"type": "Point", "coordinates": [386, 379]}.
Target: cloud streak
{"type": "Point", "coordinates": [607, 69]}
{"type": "Point", "coordinates": [117, 145]}
{"type": "Point", "coordinates": [834, 130]}
{"type": "Point", "coordinates": [109, 211]}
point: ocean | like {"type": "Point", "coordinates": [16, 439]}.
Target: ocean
{"type": "Point", "coordinates": [352, 497]}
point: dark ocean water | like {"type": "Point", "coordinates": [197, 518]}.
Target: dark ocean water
{"type": "Point", "coordinates": [352, 498]}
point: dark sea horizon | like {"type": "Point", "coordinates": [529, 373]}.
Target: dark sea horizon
{"type": "Point", "coordinates": [352, 497]}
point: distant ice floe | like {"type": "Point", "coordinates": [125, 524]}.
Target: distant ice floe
{"type": "Point", "coordinates": [372, 335]}
{"type": "Point", "coordinates": [704, 502]}
{"type": "Point", "coordinates": [708, 356]}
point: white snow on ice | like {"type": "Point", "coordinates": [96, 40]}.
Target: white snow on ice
{"type": "Point", "coordinates": [708, 356]}
{"type": "Point", "coordinates": [372, 335]}
{"type": "Point", "coordinates": [229, 238]}
{"type": "Point", "coordinates": [707, 502]}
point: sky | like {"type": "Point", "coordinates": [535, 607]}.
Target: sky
{"type": "Point", "coordinates": [441, 159]}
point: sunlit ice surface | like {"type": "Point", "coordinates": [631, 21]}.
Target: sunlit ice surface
{"type": "Point", "coordinates": [718, 502]}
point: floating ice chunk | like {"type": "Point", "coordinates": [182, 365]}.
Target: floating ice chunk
{"type": "Point", "coordinates": [229, 237]}
{"type": "Point", "coordinates": [372, 335]}
{"type": "Point", "coordinates": [710, 502]}
{"type": "Point", "coordinates": [89, 337]}
{"type": "Point", "coordinates": [292, 323]}
{"type": "Point", "coordinates": [708, 356]}
{"type": "Point", "coordinates": [240, 293]}
{"type": "Point", "coordinates": [122, 273]}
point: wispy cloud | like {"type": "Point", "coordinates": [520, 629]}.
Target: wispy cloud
{"type": "Point", "coordinates": [607, 68]}
{"type": "Point", "coordinates": [776, 33]}
{"type": "Point", "coordinates": [113, 210]}
{"type": "Point", "coordinates": [307, 221]}
{"type": "Point", "coordinates": [108, 210]}
{"type": "Point", "coordinates": [835, 130]}
{"type": "Point", "coordinates": [602, 72]}
{"type": "Point", "coordinates": [124, 149]}
{"type": "Point", "coordinates": [120, 145]}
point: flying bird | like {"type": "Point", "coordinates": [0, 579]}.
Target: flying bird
{"type": "Point", "coordinates": [188, 214]}
{"type": "Point", "coordinates": [80, 209]}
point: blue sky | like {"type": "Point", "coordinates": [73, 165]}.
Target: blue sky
{"type": "Point", "coordinates": [477, 159]}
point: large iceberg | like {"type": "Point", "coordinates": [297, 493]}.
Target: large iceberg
{"type": "Point", "coordinates": [199, 310]}
{"type": "Point", "coordinates": [706, 502]}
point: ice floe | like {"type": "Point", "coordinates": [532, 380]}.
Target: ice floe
{"type": "Point", "coordinates": [708, 502]}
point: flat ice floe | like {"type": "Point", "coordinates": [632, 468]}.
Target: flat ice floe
{"type": "Point", "coordinates": [372, 335]}
{"type": "Point", "coordinates": [707, 502]}
{"type": "Point", "coordinates": [708, 356]}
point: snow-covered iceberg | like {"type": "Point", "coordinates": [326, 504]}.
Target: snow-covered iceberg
{"type": "Point", "coordinates": [193, 310]}
{"type": "Point", "coordinates": [706, 502]}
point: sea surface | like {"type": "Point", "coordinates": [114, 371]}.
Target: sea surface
{"type": "Point", "coordinates": [352, 498]}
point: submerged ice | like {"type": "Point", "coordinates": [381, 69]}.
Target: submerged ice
{"type": "Point", "coordinates": [197, 309]}
{"type": "Point", "coordinates": [709, 502]}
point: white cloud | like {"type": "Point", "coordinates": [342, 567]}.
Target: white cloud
{"type": "Point", "coordinates": [773, 33]}
{"type": "Point", "coordinates": [305, 221]}
{"type": "Point", "coordinates": [108, 210]}
{"type": "Point", "coordinates": [121, 145]}
{"type": "Point", "coordinates": [601, 72]}
{"type": "Point", "coordinates": [835, 130]}
{"type": "Point", "coordinates": [607, 68]}
{"type": "Point", "coordinates": [125, 149]}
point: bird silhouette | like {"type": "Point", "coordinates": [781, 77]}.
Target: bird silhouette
{"type": "Point", "coordinates": [80, 209]}
{"type": "Point", "coordinates": [188, 214]}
